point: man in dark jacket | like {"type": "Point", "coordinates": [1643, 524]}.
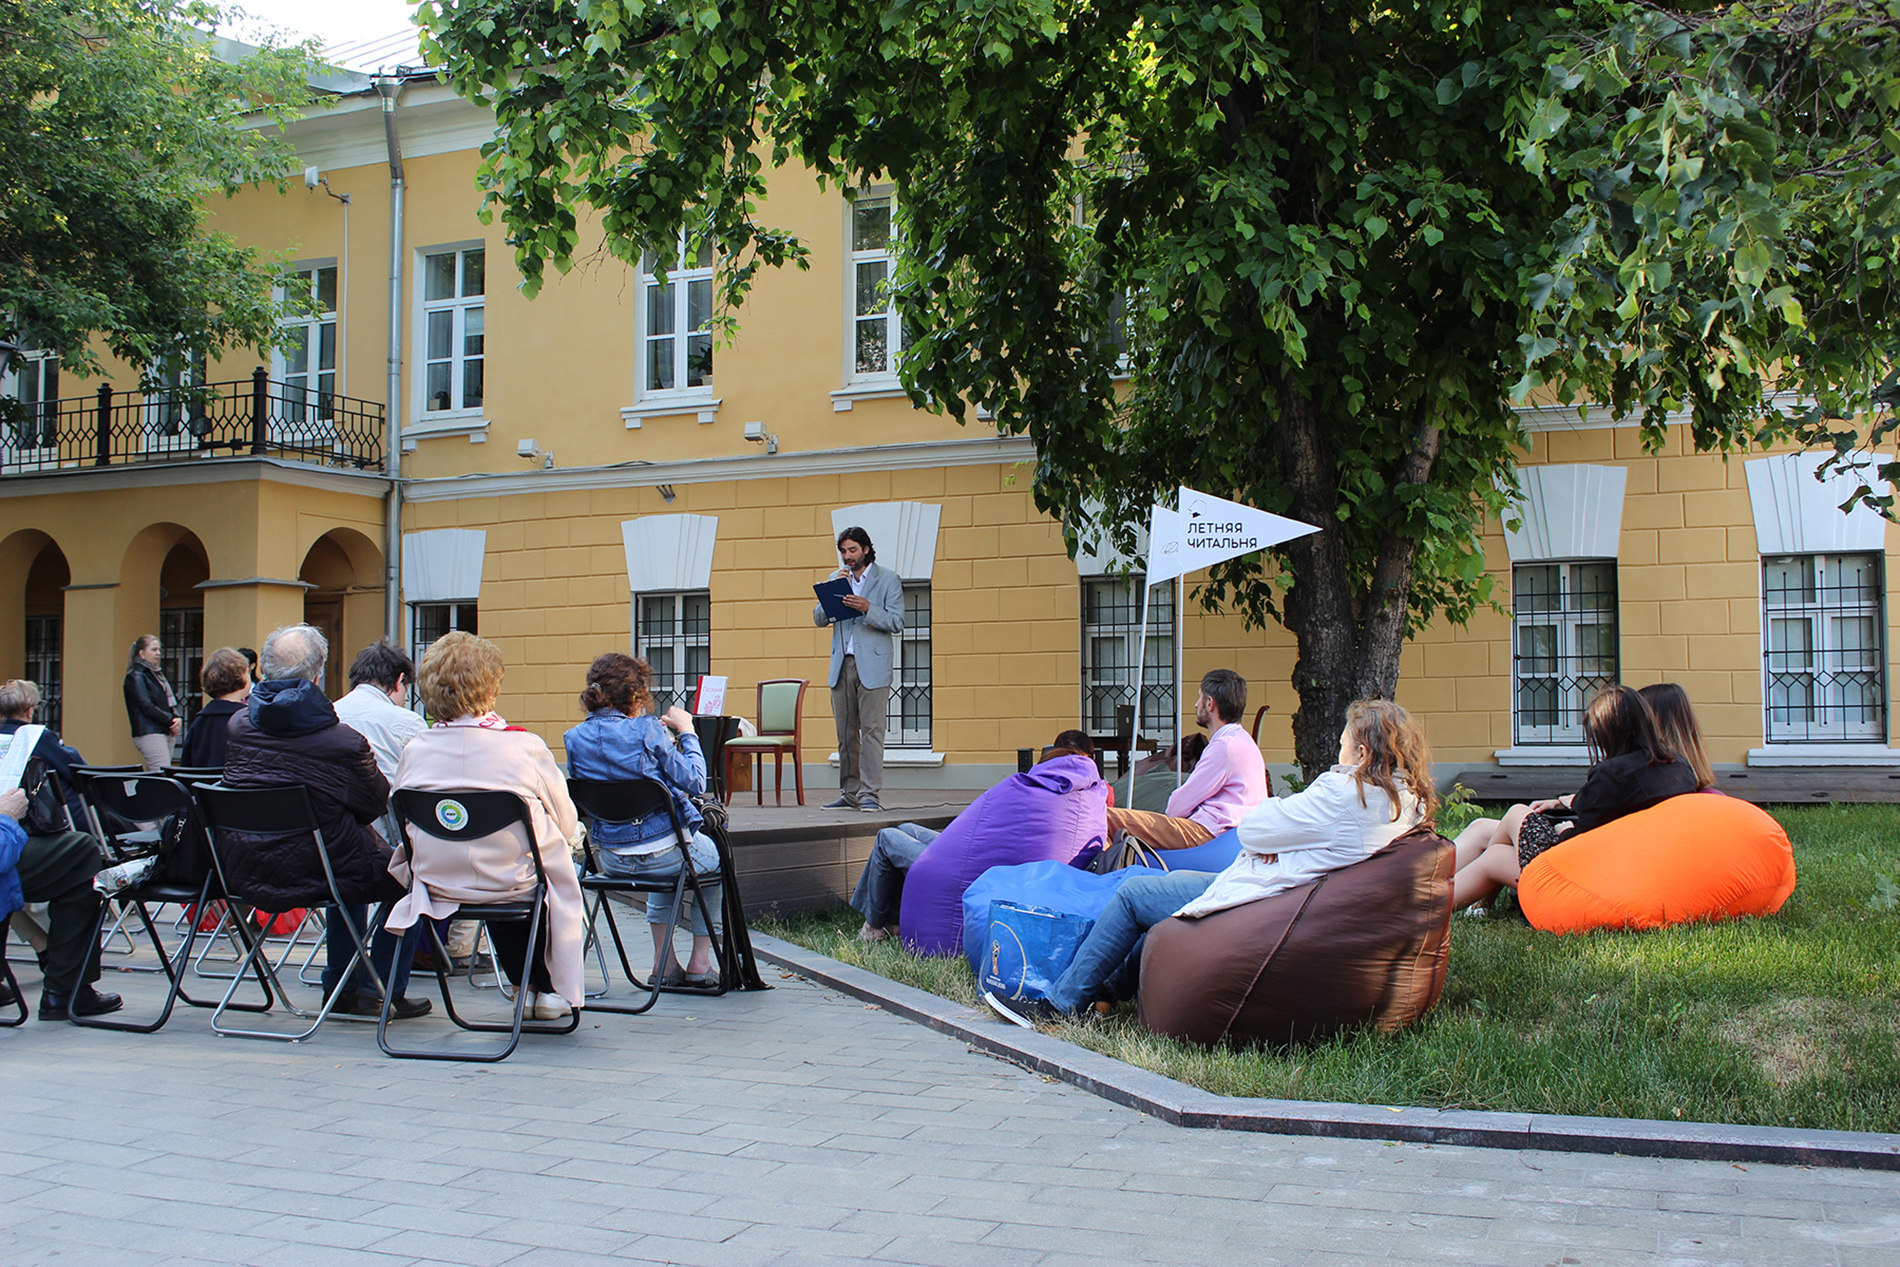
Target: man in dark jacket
{"type": "Point", "coordinates": [289, 734]}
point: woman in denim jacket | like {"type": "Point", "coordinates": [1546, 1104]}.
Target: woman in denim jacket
{"type": "Point", "coordinates": [621, 739]}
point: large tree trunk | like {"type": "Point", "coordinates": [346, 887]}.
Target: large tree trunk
{"type": "Point", "coordinates": [1349, 639]}
{"type": "Point", "coordinates": [1320, 606]}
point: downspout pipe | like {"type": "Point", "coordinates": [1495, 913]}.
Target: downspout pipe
{"type": "Point", "coordinates": [390, 87]}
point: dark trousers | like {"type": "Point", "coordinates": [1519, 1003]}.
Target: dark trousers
{"type": "Point", "coordinates": [510, 940]}
{"type": "Point", "coordinates": [388, 951]}
{"type": "Point", "coordinates": [58, 870]}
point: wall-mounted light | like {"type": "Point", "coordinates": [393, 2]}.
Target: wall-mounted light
{"type": "Point", "coordinates": [532, 452]}
{"type": "Point", "coordinates": [757, 434]}
{"type": "Point", "coordinates": [666, 493]}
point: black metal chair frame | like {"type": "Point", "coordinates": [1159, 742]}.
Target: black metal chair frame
{"type": "Point", "coordinates": [624, 801]}
{"type": "Point", "coordinates": [12, 982]}
{"type": "Point", "coordinates": [280, 809]}
{"type": "Point", "coordinates": [146, 798]}
{"type": "Point", "coordinates": [482, 814]}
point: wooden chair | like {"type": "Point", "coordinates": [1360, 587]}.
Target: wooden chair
{"type": "Point", "coordinates": [781, 721]}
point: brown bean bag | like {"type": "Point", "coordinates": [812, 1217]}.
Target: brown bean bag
{"type": "Point", "coordinates": [1365, 945]}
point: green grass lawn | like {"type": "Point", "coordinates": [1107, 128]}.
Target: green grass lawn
{"type": "Point", "coordinates": [1788, 1021]}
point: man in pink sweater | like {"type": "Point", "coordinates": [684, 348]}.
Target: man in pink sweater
{"type": "Point", "coordinates": [1229, 780]}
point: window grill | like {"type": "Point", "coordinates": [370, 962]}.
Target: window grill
{"type": "Point", "coordinates": [1111, 635]}
{"type": "Point", "coordinates": [673, 633]}
{"type": "Point", "coordinates": [43, 666]}
{"type": "Point", "coordinates": [907, 718]}
{"type": "Point", "coordinates": [1823, 653]}
{"type": "Point", "coordinates": [429, 621]}
{"type": "Point", "coordinates": [181, 657]}
{"type": "Point", "coordinates": [1566, 646]}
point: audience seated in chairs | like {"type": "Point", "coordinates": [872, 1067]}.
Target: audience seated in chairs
{"type": "Point", "coordinates": [621, 739]}
{"type": "Point", "coordinates": [289, 733]}
{"type": "Point", "coordinates": [226, 678]}
{"type": "Point", "coordinates": [55, 867]}
{"type": "Point", "coordinates": [471, 749]}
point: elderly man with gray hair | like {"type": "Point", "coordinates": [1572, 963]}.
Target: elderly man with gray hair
{"type": "Point", "coordinates": [289, 733]}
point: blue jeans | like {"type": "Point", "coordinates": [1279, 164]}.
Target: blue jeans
{"type": "Point", "coordinates": [1137, 906]}
{"type": "Point", "coordinates": [664, 864]}
{"type": "Point", "coordinates": [880, 891]}
{"type": "Point", "coordinates": [390, 952]}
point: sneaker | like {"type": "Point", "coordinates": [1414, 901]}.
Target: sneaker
{"type": "Point", "coordinates": [1476, 912]}
{"type": "Point", "coordinates": [869, 805]}
{"type": "Point", "coordinates": [546, 1007]}
{"type": "Point", "coordinates": [85, 1002]}
{"type": "Point", "coordinates": [846, 801]}
{"type": "Point", "coordinates": [1019, 1012]}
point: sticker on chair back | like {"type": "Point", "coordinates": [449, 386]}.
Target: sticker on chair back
{"type": "Point", "coordinates": [452, 814]}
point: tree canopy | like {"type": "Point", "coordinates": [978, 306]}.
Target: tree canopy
{"type": "Point", "coordinates": [118, 121]}
{"type": "Point", "coordinates": [1330, 247]}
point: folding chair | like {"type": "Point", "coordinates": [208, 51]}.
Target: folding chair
{"type": "Point", "coordinates": [626, 801]}
{"type": "Point", "coordinates": [189, 878]}
{"type": "Point", "coordinates": [279, 810]}
{"type": "Point", "coordinates": [123, 840]}
{"type": "Point", "coordinates": [12, 982]}
{"type": "Point", "coordinates": [463, 818]}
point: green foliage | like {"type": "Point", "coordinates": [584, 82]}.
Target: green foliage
{"type": "Point", "coordinates": [117, 123]}
{"type": "Point", "coordinates": [1786, 1021]}
{"type": "Point", "coordinates": [1325, 243]}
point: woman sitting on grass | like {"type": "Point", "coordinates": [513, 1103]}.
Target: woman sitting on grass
{"type": "Point", "coordinates": [1632, 768]}
{"type": "Point", "coordinates": [1381, 789]}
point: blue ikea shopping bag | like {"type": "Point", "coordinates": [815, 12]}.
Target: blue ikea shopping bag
{"type": "Point", "coordinates": [1049, 886]}
{"type": "Point", "coordinates": [1028, 948]}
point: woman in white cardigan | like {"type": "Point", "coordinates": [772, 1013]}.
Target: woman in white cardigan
{"type": "Point", "coordinates": [469, 748]}
{"type": "Point", "coordinates": [1380, 790]}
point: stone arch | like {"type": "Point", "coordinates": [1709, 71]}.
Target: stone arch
{"type": "Point", "coordinates": [343, 569]}
{"type": "Point", "coordinates": [21, 556]}
{"type": "Point", "coordinates": [158, 594]}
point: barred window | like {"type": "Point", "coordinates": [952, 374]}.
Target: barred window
{"type": "Point", "coordinates": [1111, 635]}
{"type": "Point", "coordinates": [181, 657]}
{"type": "Point", "coordinates": [43, 665]}
{"type": "Point", "coordinates": [907, 719]}
{"type": "Point", "coordinates": [1823, 654]}
{"type": "Point", "coordinates": [429, 621]}
{"type": "Point", "coordinates": [673, 633]}
{"type": "Point", "coordinates": [1566, 646]}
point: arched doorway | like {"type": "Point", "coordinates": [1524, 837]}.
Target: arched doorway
{"type": "Point", "coordinates": [45, 605]}
{"type": "Point", "coordinates": [344, 571]}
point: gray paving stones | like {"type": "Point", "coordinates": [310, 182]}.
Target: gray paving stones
{"type": "Point", "coordinates": [795, 1127]}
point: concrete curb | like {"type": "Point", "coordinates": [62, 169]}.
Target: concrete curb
{"type": "Point", "coordinates": [1181, 1105]}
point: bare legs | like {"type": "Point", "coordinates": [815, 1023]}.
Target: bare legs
{"type": "Point", "coordinates": [1486, 854]}
{"type": "Point", "coordinates": [665, 961]}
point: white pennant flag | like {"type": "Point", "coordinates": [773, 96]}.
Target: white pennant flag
{"type": "Point", "coordinates": [1207, 530]}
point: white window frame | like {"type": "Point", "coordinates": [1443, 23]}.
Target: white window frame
{"type": "Point", "coordinates": [1804, 686]}
{"type": "Point", "coordinates": [676, 298]}
{"type": "Point", "coordinates": [882, 380]}
{"type": "Point", "coordinates": [1571, 668]}
{"type": "Point", "coordinates": [313, 396]}
{"type": "Point", "coordinates": [1159, 714]}
{"type": "Point", "coordinates": [26, 380]}
{"type": "Point", "coordinates": [459, 418]}
{"type": "Point", "coordinates": [910, 676]}
{"type": "Point", "coordinates": [464, 614]}
{"type": "Point", "coordinates": [165, 422]}
{"type": "Point", "coordinates": [674, 685]}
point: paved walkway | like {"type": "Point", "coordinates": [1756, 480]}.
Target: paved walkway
{"type": "Point", "coordinates": [792, 1127]}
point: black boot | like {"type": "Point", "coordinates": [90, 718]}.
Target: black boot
{"type": "Point", "coordinates": [85, 1002]}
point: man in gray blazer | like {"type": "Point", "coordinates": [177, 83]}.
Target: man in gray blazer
{"type": "Point", "coordinates": [862, 651]}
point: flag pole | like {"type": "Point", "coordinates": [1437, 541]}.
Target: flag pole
{"type": "Point", "coordinates": [1180, 674]}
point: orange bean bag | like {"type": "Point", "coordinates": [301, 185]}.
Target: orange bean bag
{"type": "Point", "coordinates": [1693, 857]}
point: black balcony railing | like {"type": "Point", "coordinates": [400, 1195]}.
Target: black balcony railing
{"type": "Point", "coordinates": [248, 418]}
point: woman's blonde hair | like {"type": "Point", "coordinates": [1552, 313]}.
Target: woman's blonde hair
{"type": "Point", "coordinates": [1395, 749]}
{"type": "Point", "coordinates": [460, 676]}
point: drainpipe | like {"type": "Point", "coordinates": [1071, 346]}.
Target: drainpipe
{"type": "Point", "coordinates": [389, 87]}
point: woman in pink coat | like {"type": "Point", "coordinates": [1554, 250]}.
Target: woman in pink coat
{"type": "Point", "coordinates": [470, 749]}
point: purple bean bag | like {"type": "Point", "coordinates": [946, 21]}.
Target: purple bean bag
{"type": "Point", "coordinates": [1057, 812]}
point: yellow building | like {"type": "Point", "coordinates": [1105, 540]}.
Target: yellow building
{"type": "Point", "coordinates": [588, 471]}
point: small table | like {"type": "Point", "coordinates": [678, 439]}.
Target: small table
{"type": "Point", "coordinates": [1124, 747]}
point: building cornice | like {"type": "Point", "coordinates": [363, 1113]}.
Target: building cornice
{"type": "Point", "coordinates": [925, 455]}
{"type": "Point", "coordinates": [236, 470]}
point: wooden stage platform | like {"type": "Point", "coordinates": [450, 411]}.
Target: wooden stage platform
{"type": "Point", "coordinates": [1779, 785]}
{"type": "Point", "coordinates": [799, 858]}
